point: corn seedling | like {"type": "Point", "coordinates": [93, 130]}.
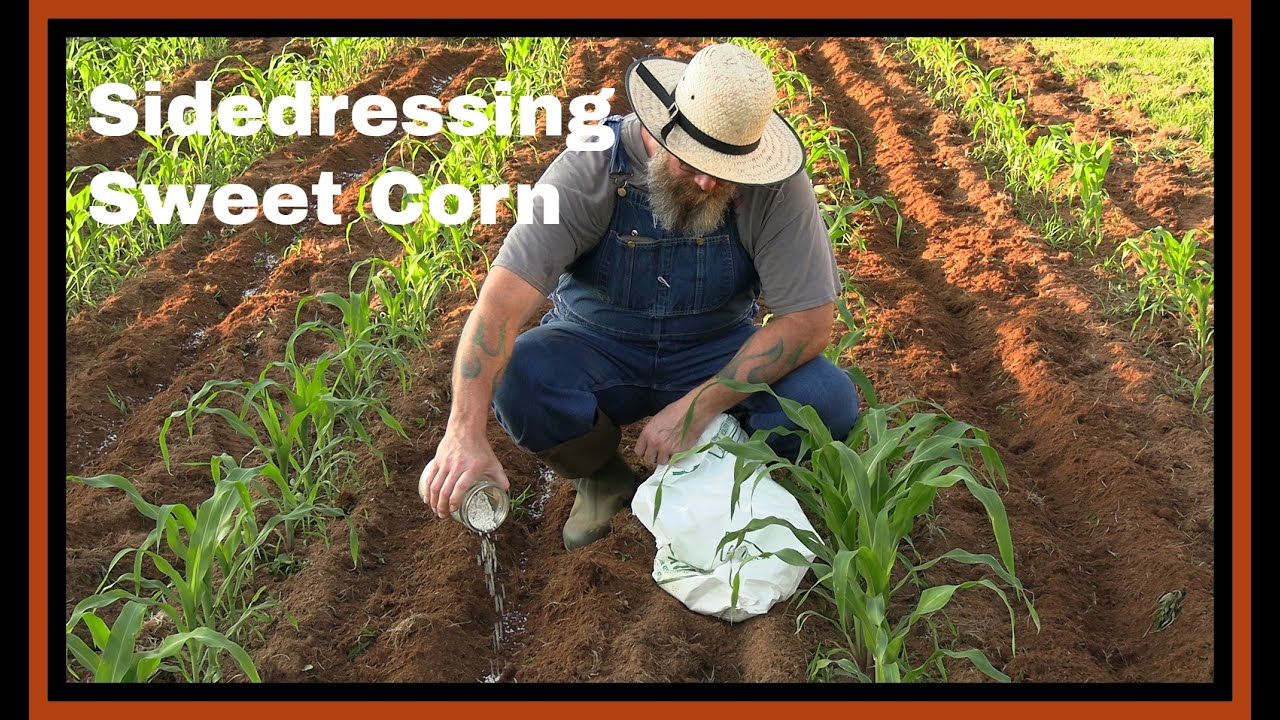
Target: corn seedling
{"type": "Point", "coordinates": [307, 431]}
{"type": "Point", "coordinates": [364, 347]}
{"type": "Point", "coordinates": [1089, 163]}
{"type": "Point", "coordinates": [1174, 278]}
{"type": "Point", "coordinates": [1031, 159]}
{"type": "Point", "coordinates": [198, 585]}
{"type": "Point", "coordinates": [117, 402]}
{"type": "Point", "coordinates": [838, 352]}
{"type": "Point", "coordinates": [867, 491]}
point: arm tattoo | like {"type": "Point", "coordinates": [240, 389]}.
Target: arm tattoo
{"type": "Point", "coordinates": [478, 339]}
{"type": "Point", "coordinates": [774, 370]}
{"type": "Point", "coordinates": [470, 366]}
{"type": "Point", "coordinates": [770, 356]}
{"type": "Point", "coordinates": [773, 367]}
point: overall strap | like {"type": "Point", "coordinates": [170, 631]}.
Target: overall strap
{"type": "Point", "coordinates": [619, 165]}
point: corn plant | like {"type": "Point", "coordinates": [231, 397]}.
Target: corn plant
{"type": "Point", "coordinates": [116, 658]}
{"type": "Point", "coordinates": [867, 491]}
{"type": "Point", "coordinates": [938, 60]}
{"type": "Point", "coordinates": [87, 278]}
{"type": "Point", "coordinates": [1031, 158]}
{"type": "Point", "coordinates": [306, 430]}
{"type": "Point", "coordinates": [536, 63]}
{"type": "Point", "coordinates": [409, 289]}
{"type": "Point", "coordinates": [1089, 164]}
{"type": "Point", "coordinates": [341, 61]}
{"type": "Point", "coordinates": [995, 115]}
{"type": "Point", "coordinates": [363, 346]}
{"type": "Point", "coordinates": [1199, 399]}
{"type": "Point", "coordinates": [435, 259]}
{"type": "Point", "coordinates": [1174, 278]}
{"type": "Point", "coordinates": [312, 417]}
{"type": "Point", "coordinates": [839, 201]}
{"type": "Point", "coordinates": [1048, 154]}
{"type": "Point", "coordinates": [192, 579]}
{"type": "Point", "coordinates": [839, 351]}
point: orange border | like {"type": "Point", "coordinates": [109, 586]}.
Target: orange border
{"type": "Point", "coordinates": [1241, 408]}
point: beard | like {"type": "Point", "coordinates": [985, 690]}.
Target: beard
{"type": "Point", "coordinates": [679, 204]}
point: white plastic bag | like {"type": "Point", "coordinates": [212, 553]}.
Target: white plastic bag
{"type": "Point", "coordinates": [695, 516]}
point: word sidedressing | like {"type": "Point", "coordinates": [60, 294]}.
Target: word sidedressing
{"type": "Point", "coordinates": [118, 197]}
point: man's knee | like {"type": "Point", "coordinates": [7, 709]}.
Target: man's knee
{"type": "Point", "coordinates": [526, 370]}
{"type": "Point", "coordinates": [524, 397]}
{"type": "Point", "coordinates": [546, 395]}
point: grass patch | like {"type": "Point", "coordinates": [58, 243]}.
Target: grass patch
{"type": "Point", "coordinates": [1169, 80]}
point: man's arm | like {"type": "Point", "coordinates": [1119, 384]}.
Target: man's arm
{"type": "Point", "coordinates": [464, 454]}
{"type": "Point", "coordinates": [784, 344]}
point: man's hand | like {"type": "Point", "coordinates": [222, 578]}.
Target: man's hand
{"type": "Point", "coordinates": [779, 347]}
{"type": "Point", "coordinates": [459, 463]}
{"type": "Point", "coordinates": [664, 435]}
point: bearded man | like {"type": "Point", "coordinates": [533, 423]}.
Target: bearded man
{"type": "Point", "coordinates": [665, 242]}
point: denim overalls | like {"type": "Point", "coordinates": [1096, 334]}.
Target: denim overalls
{"type": "Point", "coordinates": [642, 283]}
{"type": "Point", "coordinates": [638, 321]}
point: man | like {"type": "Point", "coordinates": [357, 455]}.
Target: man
{"type": "Point", "coordinates": [665, 242]}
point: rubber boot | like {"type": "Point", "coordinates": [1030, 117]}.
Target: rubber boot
{"type": "Point", "coordinates": [604, 482]}
{"type": "Point", "coordinates": [600, 496]}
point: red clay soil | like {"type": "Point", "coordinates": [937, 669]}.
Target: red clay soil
{"type": "Point", "coordinates": [1111, 472]}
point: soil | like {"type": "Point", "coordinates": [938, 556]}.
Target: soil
{"type": "Point", "coordinates": [1111, 470]}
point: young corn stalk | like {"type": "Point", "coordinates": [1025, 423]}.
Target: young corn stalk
{"type": "Point", "coordinates": [867, 491]}
{"type": "Point", "coordinates": [308, 433]}
{"type": "Point", "coordinates": [1089, 164]}
{"type": "Point", "coordinates": [87, 279]}
{"type": "Point", "coordinates": [363, 345]}
{"type": "Point", "coordinates": [187, 597]}
{"type": "Point", "coordinates": [939, 61]}
{"type": "Point", "coordinates": [1068, 212]}
{"type": "Point", "coordinates": [840, 350]}
{"type": "Point", "coordinates": [1174, 279]}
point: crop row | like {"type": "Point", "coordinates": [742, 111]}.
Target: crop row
{"type": "Point", "coordinates": [1057, 182]}
{"type": "Point", "coordinates": [190, 598]}
{"type": "Point", "coordinates": [99, 256]}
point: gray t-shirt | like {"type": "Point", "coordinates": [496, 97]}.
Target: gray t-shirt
{"type": "Point", "coordinates": [779, 225]}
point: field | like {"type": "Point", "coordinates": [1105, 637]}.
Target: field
{"type": "Point", "coordinates": [1104, 425]}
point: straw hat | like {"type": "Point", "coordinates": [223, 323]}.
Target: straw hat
{"type": "Point", "coordinates": [715, 112]}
